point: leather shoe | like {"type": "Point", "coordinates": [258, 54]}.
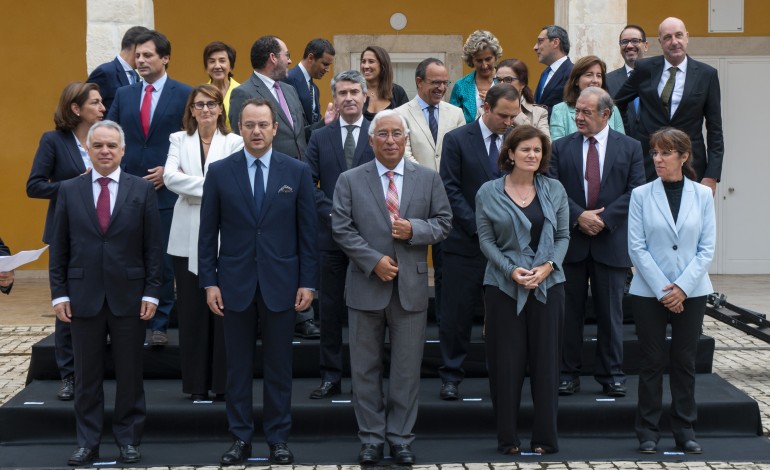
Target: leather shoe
{"type": "Point", "coordinates": [370, 454]}
{"type": "Point", "coordinates": [307, 330]}
{"type": "Point", "coordinates": [237, 453]}
{"type": "Point", "coordinates": [199, 396]}
{"type": "Point", "coordinates": [159, 338]}
{"type": "Point", "coordinates": [402, 454]}
{"type": "Point", "coordinates": [326, 390]}
{"type": "Point", "coordinates": [67, 389]}
{"type": "Point", "coordinates": [615, 389]}
{"type": "Point", "coordinates": [648, 447]}
{"type": "Point", "coordinates": [280, 454]}
{"type": "Point", "coordinates": [569, 387]}
{"type": "Point", "coordinates": [83, 456]}
{"type": "Point", "coordinates": [690, 447]}
{"type": "Point", "coordinates": [129, 454]}
{"type": "Point", "coordinates": [449, 391]}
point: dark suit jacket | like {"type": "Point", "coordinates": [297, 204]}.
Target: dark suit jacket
{"type": "Point", "coordinates": [143, 154]}
{"type": "Point", "coordinates": [5, 251]}
{"type": "Point", "coordinates": [622, 172]}
{"type": "Point", "coordinates": [110, 76]}
{"type": "Point", "coordinates": [553, 93]}
{"type": "Point", "coordinates": [120, 266]}
{"type": "Point", "coordinates": [326, 157]}
{"type": "Point", "coordinates": [277, 251]}
{"type": "Point", "coordinates": [615, 80]}
{"type": "Point", "coordinates": [297, 79]}
{"type": "Point", "coordinates": [57, 159]}
{"type": "Point", "coordinates": [700, 100]}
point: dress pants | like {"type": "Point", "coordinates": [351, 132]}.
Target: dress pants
{"type": "Point", "coordinates": [651, 320]}
{"type": "Point", "coordinates": [386, 417]}
{"type": "Point", "coordinates": [63, 349]}
{"type": "Point", "coordinates": [161, 319]}
{"type": "Point", "coordinates": [89, 340]}
{"type": "Point", "coordinates": [462, 292]}
{"type": "Point", "coordinates": [607, 290]}
{"type": "Point", "coordinates": [438, 279]}
{"type": "Point", "coordinates": [201, 335]}
{"type": "Point", "coordinates": [240, 342]}
{"type": "Point", "coordinates": [514, 342]}
{"type": "Point", "coordinates": [334, 266]}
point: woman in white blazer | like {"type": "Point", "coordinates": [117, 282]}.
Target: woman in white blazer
{"type": "Point", "coordinates": [205, 139]}
{"type": "Point", "coordinates": [671, 236]}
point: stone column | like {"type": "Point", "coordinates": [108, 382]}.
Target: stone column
{"type": "Point", "coordinates": [593, 27]}
{"type": "Point", "coordinates": [107, 21]}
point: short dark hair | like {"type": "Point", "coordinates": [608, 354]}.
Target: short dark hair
{"type": "Point", "coordinates": [636, 26]}
{"type": "Point", "coordinates": [318, 47]}
{"type": "Point", "coordinates": [257, 102]}
{"type": "Point", "coordinates": [557, 32]}
{"type": "Point", "coordinates": [571, 88]}
{"type": "Point", "coordinates": [422, 67]}
{"type": "Point", "coordinates": [261, 50]}
{"type": "Point", "coordinates": [64, 117]}
{"type": "Point", "coordinates": [518, 135]}
{"type": "Point", "coordinates": [501, 91]}
{"type": "Point", "coordinates": [188, 121]}
{"type": "Point", "coordinates": [129, 38]}
{"type": "Point", "coordinates": [385, 80]}
{"type": "Point", "coordinates": [218, 46]}
{"type": "Point", "coordinates": [522, 73]}
{"type": "Point", "coordinates": [162, 44]}
{"type": "Point", "coordinates": [670, 138]}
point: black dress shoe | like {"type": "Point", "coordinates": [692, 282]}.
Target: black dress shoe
{"type": "Point", "coordinates": [326, 390]}
{"type": "Point", "coordinates": [83, 456]}
{"type": "Point", "coordinates": [370, 454]}
{"type": "Point", "coordinates": [449, 391]}
{"type": "Point", "coordinates": [199, 396]}
{"type": "Point", "coordinates": [615, 389]}
{"type": "Point", "coordinates": [690, 447]}
{"type": "Point", "coordinates": [569, 387]}
{"type": "Point", "coordinates": [237, 453]}
{"type": "Point", "coordinates": [67, 389]}
{"type": "Point", "coordinates": [648, 447]}
{"type": "Point", "coordinates": [402, 454]}
{"type": "Point", "coordinates": [307, 329]}
{"type": "Point", "coordinates": [280, 454]}
{"type": "Point", "coordinates": [129, 454]}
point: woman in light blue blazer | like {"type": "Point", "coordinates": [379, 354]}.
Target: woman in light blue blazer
{"type": "Point", "coordinates": [523, 226]}
{"type": "Point", "coordinates": [671, 236]}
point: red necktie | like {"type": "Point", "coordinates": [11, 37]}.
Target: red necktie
{"type": "Point", "coordinates": [144, 112]}
{"type": "Point", "coordinates": [103, 204]}
{"type": "Point", "coordinates": [592, 174]}
{"type": "Point", "coordinates": [391, 200]}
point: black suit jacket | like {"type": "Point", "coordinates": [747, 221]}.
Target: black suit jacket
{"type": "Point", "coordinates": [701, 100]}
{"type": "Point", "coordinates": [120, 266]}
{"type": "Point", "coordinates": [553, 93]}
{"type": "Point", "coordinates": [622, 172]}
{"type": "Point", "coordinates": [110, 76]}
{"type": "Point", "coordinates": [5, 251]}
{"type": "Point", "coordinates": [297, 79]}
{"type": "Point", "coordinates": [615, 80]}
{"type": "Point", "coordinates": [326, 157]}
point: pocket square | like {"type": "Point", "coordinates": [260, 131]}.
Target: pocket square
{"type": "Point", "coordinates": [286, 189]}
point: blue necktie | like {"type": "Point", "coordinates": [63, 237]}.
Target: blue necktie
{"type": "Point", "coordinates": [259, 187]}
{"type": "Point", "coordinates": [432, 122]}
{"type": "Point", "coordinates": [541, 84]}
{"type": "Point", "coordinates": [494, 154]}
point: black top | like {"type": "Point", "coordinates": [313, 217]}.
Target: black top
{"type": "Point", "coordinates": [399, 98]}
{"type": "Point", "coordinates": [674, 195]}
{"type": "Point", "coordinates": [534, 213]}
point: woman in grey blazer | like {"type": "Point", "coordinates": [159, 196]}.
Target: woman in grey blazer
{"type": "Point", "coordinates": [523, 229]}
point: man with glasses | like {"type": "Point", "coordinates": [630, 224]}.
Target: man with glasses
{"type": "Point", "coordinates": [552, 47]}
{"type": "Point", "coordinates": [633, 46]}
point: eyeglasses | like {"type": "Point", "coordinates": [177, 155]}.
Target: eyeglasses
{"type": "Point", "coordinates": [540, 40]}
{"type": "Point", "coordinates": [634, 41]}
{"type": "Point", "coordinates": [383, 135]}
{"type": "Point", "coordinates": [446, 83]}
{"type": "Point", "coordinates": [663, 153]}
{"type": "Point", "coordinates": [209, 104]}
{"type": "Point", "coordinates": [506, 79]}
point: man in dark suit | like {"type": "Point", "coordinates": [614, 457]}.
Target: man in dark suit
{"type": "Point", "coordinates": [259, 204]}
{"type": "Point", "coordinates": [318, 57]}
{"type": "Point", "coordinates": [633, 47]}
{"type": "Point", "coordinates": [118, 72]}
{"type": "Point", "coordinates": [677, 91]}
{"type": "Point", "coordinates": [105, 275]}
{"type": "Point", "coordinates": [6, 277]}
{"type": "Point", "coordinates": [149, 113]}
{"type": "Point", "coordinates": [385, 214]}
{"type": "Point", "coordinates": [333, 149]}
{"type": "Point", "coordinates": [552, 47]}
{"type": "Point", "coordinates": [598, 168]}
{"type": "Point", "coordinates": [468, 160]}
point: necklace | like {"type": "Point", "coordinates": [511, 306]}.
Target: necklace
{"type": "Point", "coordinates": [525, 197]}
{"type": "Point", "coordinates": [207, 143]}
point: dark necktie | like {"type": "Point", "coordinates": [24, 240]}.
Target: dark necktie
{"type": "Point", "coordinates": [541, 84]}
{"type": "Point", "coordinates": [350, 145]}
{"type": "Point", "coordinates": [103, 204]}
{"type": "Point", "coordinates": [593, 177]}
{"type": "Point", "coordinates": [668, 90]}
{"type": "Point", "coordinates": [144, 111]}
{"type": "Point", "coordinates": [494, 153]}
{"type": "Point", "coordinates": [433, 123]}
{"type": "Point", "coordinates": [259, 187]}
{"type": "Point", "coordinates": [313, 107]}
{"type": "Point", "coordinates": [282, 102]}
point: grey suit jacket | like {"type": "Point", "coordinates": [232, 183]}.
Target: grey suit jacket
{"type": "Point", "coordinates": [361, 227]}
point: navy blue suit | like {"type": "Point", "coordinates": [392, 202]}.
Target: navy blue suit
{"type": "Point", "coordinates": [258, 263]}
{"type": "Point", "coordinates": [553, 93]}
{"type": "Point", "coordinates": [110, 76]}
{"type": "Point", "coordinates": [296, 79]}
{"type": "Point", "coordinates": [326, 157]}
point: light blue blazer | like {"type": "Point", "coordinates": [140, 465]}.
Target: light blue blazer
{"type": "Point", "coordinates": [562, 122]}
{"type": "Point", "coordinates": [664, 252]}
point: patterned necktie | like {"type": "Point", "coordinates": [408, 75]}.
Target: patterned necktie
{"type": "Point", "coordinates": [103, 204]}
{"type": "Point", "coordinates": [282, 102]}
{"type": "Point", "coordinates": [593, 177]}
{"type": "Point", "coordinates": [433, 123]}
{"type": "Point", "coordinates": [668, 90]}
{"type": "Point", "coordinates": [259, 187]}
{"type": "Point", "coordinates": [350, 145]}
{"type": "Point", "coordinates": [541, 84]}
{"type": "Point", "coordinates": [494, 154]}
{"type": "Point", "coordinates": [144, 112]}
{"type": "Point", "coordinates": [391, 200]}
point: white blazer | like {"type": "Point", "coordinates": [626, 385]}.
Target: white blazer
{"type": "Point", "coordinates": [183, 176]}
{"type": "Point", "coordinates": [420, 148]}
{"type": "Point", "coordinates": [664, 252]}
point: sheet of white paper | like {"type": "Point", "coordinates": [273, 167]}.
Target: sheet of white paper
{"type": "Point", "coordinates": [9, 263]}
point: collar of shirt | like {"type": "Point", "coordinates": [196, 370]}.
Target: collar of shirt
{"type": "Point", "coordinates": [356, 131]}
{"type": "Point", "coordinates": [424, 108]}
{"type": "Point", "coordinates": [158, 84]}
{"type": "Point", "coordinates": [112, 186]}
{"type": "Point", "coordinates": [555, 66]}
{"type": "Point", "coordinates": [398, 178]}
{"type": "Point", "coordinates": [83, 152]}
{"type": "Point", "coordinates": [682, 67]}
{"type": "Point", "coordinates": [114, 176]}
{"type": "Point", "coordinates": [265, 159]}
{"type": "Point", "coordinates": [126, 66]}
{"type": "Point", "coordinates": [304, 72]}
{"type": "Point", "coordinates": [381, 170]}
{"type": "Point", "coordinates": [628, 69]}
{"type": "Point", "coordinates": [485, 133]}
{"type": "Point", "coordinates": [269, 82]}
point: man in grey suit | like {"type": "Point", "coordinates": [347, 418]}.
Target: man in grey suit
{"type": "Point", "coordinates": [385, 214]}
{"type": "Point", "coordinates": [633, 46]}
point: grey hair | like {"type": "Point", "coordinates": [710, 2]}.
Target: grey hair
{"type": "Point", "coordinates": [109, 125]}
{"type": "Point", "coordinates": [478, 41]}
{"type": "Point", "coordinates": [604, 101]}
{"type": "Point", "coordinates": [383, 114]}
{"type": "Point", "coordinates": [348, 76]}
{"type": "Point", "coordinates": [557, 32]}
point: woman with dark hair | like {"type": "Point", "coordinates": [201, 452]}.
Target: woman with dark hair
{"type": "Point", "coordinates": [62, 155]}
{"type": "Point", "coordinates": [514, 72]}
{"type": "Point", "coordinates": [205, 139]}
{"type": "Point", "coordinates": [481, 51]}
{"type": "Point", "coordinates": [381, 93]}
{"type": "Point", "coordinates": [587, 71]}
{"type": "Point", "coordinates": [671, 237]}
{"type": "Point", "coordinates": [219, 62]}
{"type": "Point", "coordinates": [523, 226]}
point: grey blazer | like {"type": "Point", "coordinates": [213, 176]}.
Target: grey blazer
{"type": "Point", "coordinates": [504, 236]}
{"type": "Point", "coordinates": [361, 227]}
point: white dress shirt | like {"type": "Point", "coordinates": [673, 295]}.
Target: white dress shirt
{"type": "Point", "coordinates": [398, 178]}
{"type": "Point", "coordinates": [356, 131]}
